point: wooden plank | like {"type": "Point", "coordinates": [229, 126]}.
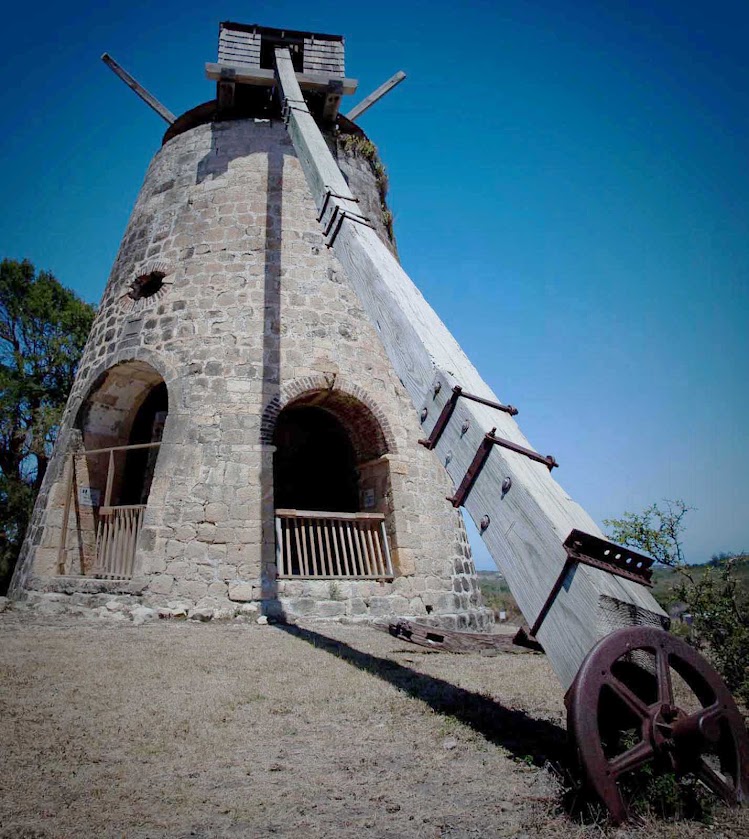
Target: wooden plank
{"type": "Point", "coordinates": [62, 547]}
{"type": "Point", "coordinates": [138, 89]}
{"type": "Point", "coordinates": [528, 524]}
{"type": "Point", "coordinates": [279, 547]}
{"type": "Point", "coordinates": [451, 640]}
{"type": "Point", "coordinates": [375, 96]}
{"type": "Point", "coordinates": [110, 480]}
{"type": "Point", "coordinates": [316, 514]}
{"type": "Point", "coordinates": [386, 545]}
{"type": "Point", "coordinates": [261, 76]}
{"type": "Point", "coordinates": [333, 531]}
{"type": "Point", "coordinates": [349, 559]}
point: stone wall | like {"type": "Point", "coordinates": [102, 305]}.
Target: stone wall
{"type": "Point", "coordinates": [254, 312]}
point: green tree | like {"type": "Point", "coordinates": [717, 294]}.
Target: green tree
{"type": "Point", "coordinates": [43, 329]}
{"type": "Point", "coordinates": [714, 597]}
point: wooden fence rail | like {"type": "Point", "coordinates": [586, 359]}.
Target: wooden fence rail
{"type": "Point", "coordinates": [329, 546]}
{"type": "Point", "coordinates": [117, 526]}
{"type": "Point", "coordinates": [116, 539]}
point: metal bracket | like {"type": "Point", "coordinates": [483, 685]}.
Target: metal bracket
{"type": "Point", "coordinates": [328, 195]}
{"type": "Point", "coordinates": [336, 219]}
{"type": "Point", "coordinates": [449, 408]}
{"type": "Point", "coordinates": [582, 548]}
{"type": "Point", "coordinates": [480, 458]}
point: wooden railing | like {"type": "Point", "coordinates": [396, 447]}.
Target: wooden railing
{"type": "Point", "coordinates": [116, 539]}
{"type": "Point", "coordinates": [117, 527]}
{"type": "Point", "coordinates": [321, 545]}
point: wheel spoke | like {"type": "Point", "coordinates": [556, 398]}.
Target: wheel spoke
{"type": "Point", "coordinates": [715, 781]}
{"type": "Point", "coordinates": [663, 673]}
{"type": "Point", "coordinates": [632, 758]}
{"type": "Point", "coordinates": [633, 702]}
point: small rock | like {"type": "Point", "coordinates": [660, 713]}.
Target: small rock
{"type": "Point", "coordinates": [142, 614]}
{"type": "Point", "coordinates": [4, 604]}
{"type": "Point", "coordinates": [262, 620]}
{"type": "Point", "coordinates": [178, 610]}
{"type": "Point", "coordinates": [203, 615]}
{"type": "Point", "coordinates": [449, 743]}
{"type": "Point", "coordinates": [114, 606]}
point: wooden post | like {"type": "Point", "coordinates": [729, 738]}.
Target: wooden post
{"type": "Point", "coordinates": [110, 480]}
{"type": "Point", "coordinates": [62, 548]}
{"type": "Point", "coordinates": [375, 96]}
{"type": "Point", "coordinates": [138, 89]}
{"type": "Point", "coordinates": [527, 524]}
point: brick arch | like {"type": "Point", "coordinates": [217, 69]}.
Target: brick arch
{"type": "Point", "coordinates": [351, 404]}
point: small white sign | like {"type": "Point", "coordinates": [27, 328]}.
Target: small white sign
{"type": "Point", "coordinates": [369, 499]}
{"type": "Point", "coordinates": [88, 497]}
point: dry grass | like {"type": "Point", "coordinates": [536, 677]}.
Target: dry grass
{"type": "Point", "coordinates": [239, 730]}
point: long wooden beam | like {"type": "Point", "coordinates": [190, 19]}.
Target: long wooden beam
{"type": "Point", "coordinates": [138, 88]}
{"type": "Point", "coordinates": [375, 96]}
{"type": "Point", "coordinates": [527, 515]}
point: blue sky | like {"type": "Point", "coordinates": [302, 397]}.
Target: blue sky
{"type": "Point", "coordinates": [570, 188]}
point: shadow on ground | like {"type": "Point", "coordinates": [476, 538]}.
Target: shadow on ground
{"type": "Point", "coordinates": [522, 735]}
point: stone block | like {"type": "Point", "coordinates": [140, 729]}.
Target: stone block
{"type": "Point", "coordinates": [330, 609]}
{"type": "Point", "coordinates": [161, 584]}
{"type": "Point", "coordinates": [243, 592]}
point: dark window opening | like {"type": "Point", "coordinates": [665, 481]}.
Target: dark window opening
{"type": "Point", "coordinates": [268, 56]}
{"type": "Point", "coordinates": [147, 285]}
{"type": "Point", "coordinates": [148, 427]}
{"type": "Point", "coordinates": [314, 467]}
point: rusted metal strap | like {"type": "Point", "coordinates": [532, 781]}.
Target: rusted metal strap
{"type": "Point", "coordinates": [449, 408]}
{"type": "Point", "coordinates": [480, 458]}
{"type": "Point", "coordinates": [328, 195]}
{"type": "Point", "coordinates": [336, 219]}
{"type": "Point", "coordinates": [582, 548]}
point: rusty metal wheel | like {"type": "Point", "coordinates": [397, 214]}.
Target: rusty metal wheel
{"type": "Point", "coordinates": [644, 696]}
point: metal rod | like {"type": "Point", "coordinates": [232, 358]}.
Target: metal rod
{"type": "Point", "coordinates": [138, 89]}
{"type": "Point", "coordinates": [449, 408]}
{"type": "Point", "coordinates": [375, 96]}
{"type": "Point", "coordinates": [131, 447]}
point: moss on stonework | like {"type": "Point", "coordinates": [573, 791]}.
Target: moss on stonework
{"type": "Point", "coordinates": [360, 146]}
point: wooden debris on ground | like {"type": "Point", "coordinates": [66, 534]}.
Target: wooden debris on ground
{"type": "Point", "coordinates": [455, 641]}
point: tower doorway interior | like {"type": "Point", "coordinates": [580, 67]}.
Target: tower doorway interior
{"type": "Point", "coordinates": [331, 490]}
{"type": "Point", "coordinates": [315, 463]}
{"type": "Point", "coordinates": [109, 479]}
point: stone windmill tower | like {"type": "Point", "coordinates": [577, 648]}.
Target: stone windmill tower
{"type": "Point", "coordinates": [236, 432]}
{"type": "Point", "coordinates": [241, 429]}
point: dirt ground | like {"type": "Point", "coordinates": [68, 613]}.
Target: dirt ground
{"type": "Point", "coordinates": [183, 729]}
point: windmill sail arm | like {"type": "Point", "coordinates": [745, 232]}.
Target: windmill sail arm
{"type": "Point", "coordinates": [527, 523]}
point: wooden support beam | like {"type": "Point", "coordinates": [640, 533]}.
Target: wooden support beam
{"type": "Point", "coordinates": [526, 524]}
{"type": "Point", "coordinates": [245, 74]}
{"type": "Point", "coordinates": [150, 100]}
{"type": "Point", "coordinates": [375, 96]}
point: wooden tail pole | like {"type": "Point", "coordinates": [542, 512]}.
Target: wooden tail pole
{"type": "Point", "coordinates": [375, 96]}
{"type": "Point", "coordinates": [523, 514]}
{"type": "Point", "coordinates": [150, 100]}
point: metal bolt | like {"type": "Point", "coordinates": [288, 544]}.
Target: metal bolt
{"type": "Point", "coordinates": [466, 425]}
{"type": "Point", "coordinates": [484, 523]}
{"type": "Point", "coordinates": [506, 484]}
{"type": "Point", "coordinates": [437, 388]}
{"type": "Point", "coordinates": [424, 414]}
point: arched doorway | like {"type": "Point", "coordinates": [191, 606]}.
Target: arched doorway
{"type": "Point", "coordinates": [121, 423]}
{"type": "Point", "coordinates": [331, 489]}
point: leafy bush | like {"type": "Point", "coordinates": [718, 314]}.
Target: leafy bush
{"type": "Point", "coordinates": [713, 595]}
